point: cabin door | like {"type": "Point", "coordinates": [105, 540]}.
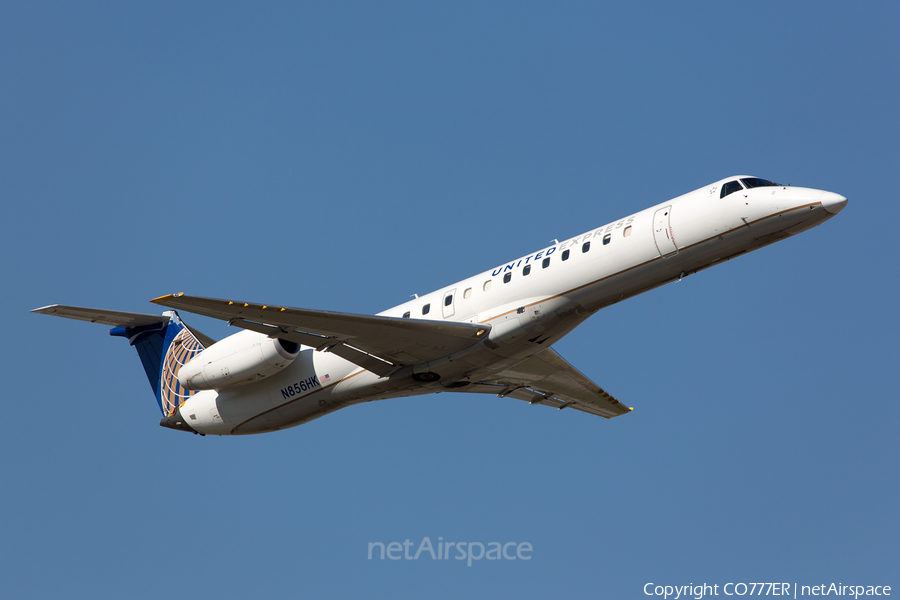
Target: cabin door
{"type": "Point", "coordinates": [448, 304]}
{"type": "Point", "coordinates": [662, 232]}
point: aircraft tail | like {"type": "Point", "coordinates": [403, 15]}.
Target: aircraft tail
{"type": "Point", "coordinates": [163, 343]}
{"type": "Point", "coordinates": [164, 348]}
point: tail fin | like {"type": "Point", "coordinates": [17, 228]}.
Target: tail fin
{"type": "Point", "coordinates": [164, 343]}
{"type": "Point", "coordinates": [164, 348]}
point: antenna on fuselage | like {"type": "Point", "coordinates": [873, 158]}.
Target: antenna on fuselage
{"type": "Point", "coordinates": [555, 241]}
{"type": "Point", "coordinates": [416, 296]}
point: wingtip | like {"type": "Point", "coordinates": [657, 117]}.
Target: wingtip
{"type": "Point", "coordinates": [161, 299]}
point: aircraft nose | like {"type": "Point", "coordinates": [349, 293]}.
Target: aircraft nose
{"type": "Point", "coordinates": [833, 203]}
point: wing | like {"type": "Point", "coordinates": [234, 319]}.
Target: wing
{"type": "Point", "coordinates": [380, 344]}
{"type": "Point", "coordinates": [546, 378]}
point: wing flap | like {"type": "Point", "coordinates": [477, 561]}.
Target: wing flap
{"type": "Point", "coordinates": [547, 378]}
{"type": "Point", "coordinates": [354, 355]}
{"type": "Point", "coordinates": [367, 340]}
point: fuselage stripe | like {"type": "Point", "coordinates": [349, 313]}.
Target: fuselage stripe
{"type": "Point", "coordinates": [324, 387]}
{"type": "Point", "coordinates": [652, 260]}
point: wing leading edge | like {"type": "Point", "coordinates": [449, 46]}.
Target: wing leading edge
{"type": "Point", "coordinates": [379, 344]}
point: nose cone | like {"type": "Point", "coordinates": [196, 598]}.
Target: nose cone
{"type": "Point", "coordinates": [833, 203]}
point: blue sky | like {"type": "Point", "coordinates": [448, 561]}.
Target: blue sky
{"type": "Point", "coordinates": [346, 157]}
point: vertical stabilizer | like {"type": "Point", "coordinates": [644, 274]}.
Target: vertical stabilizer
{"type": "Point", "coordinates": [163, 348]}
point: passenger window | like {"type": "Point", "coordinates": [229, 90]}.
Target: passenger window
{"type": "Point", "coordinates": [406, 315]}
{"type": "Point", "coordinates": [627, 231]}
{"type": "Point", "coordinates": [467, 294]}
{"type": "Point", "coordinates": [448, 300]}
{"type": "Point", "coordinates": [565, 255]}
{"type": "Point", "coordinates": [585, 247]}
{"type": "Point", "coordinates": [526, 269]}
{"type": "Point", "coordinates": [730, 188]}
{"type": "Point", "coordinates": [487, 285]}
{"type": "Point", "coordinates": [507, 277]}
{"type": "Point", "coordinates": [546, 263]}
{"type": "Point", "coordinates": [607, 238]}
{"type": "Point", "coordinates": [426, 309]}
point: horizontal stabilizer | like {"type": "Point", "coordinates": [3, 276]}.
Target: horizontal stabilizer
{"type": "Point", "coordinates": [113, 318]}
{"type": "Point", "coordinates": [163, 343]}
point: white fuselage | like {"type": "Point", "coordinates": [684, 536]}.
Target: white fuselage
{"type": "Point", "coordinates": [530, 302]}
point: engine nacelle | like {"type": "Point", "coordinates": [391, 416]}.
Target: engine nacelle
{"type": "Point", "coordinates": [243, 357]}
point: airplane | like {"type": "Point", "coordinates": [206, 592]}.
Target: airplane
{"type": "Point", "coordinates": [489, 334]}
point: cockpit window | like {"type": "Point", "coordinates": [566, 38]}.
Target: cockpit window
{"type": "Point", "coordinates": [752, 182]}
{"type": "Point", "coordinates": [730, 188]}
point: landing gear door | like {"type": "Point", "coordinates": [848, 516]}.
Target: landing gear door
{"type": "Point", "coordinates": [662, 232]}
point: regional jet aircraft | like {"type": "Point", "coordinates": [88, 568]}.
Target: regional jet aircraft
{"type": "Point", "coordinates": [489, 334]}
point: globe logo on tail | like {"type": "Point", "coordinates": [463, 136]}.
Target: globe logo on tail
{"type": "Point", "coordinates": [183, 348]}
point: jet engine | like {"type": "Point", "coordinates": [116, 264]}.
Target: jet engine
{"type": "Point", "coordinates": [243, 357]}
